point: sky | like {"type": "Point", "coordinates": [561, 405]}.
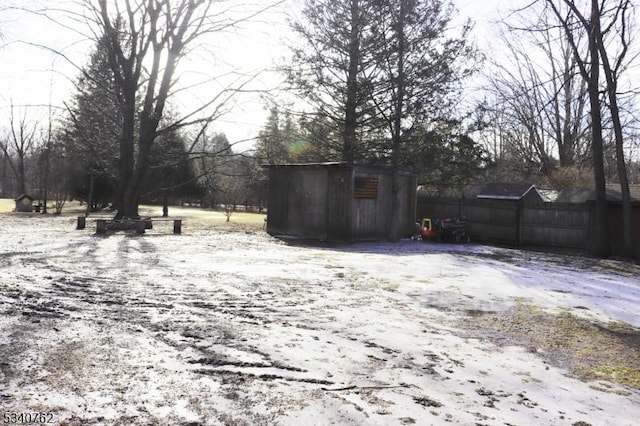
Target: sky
{"type": "Point", "coordinates": [33, 76]}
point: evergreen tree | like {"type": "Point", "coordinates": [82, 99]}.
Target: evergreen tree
{"type": "Point", "coordinates": [91, 133]}
{"type": "Point", "coordinates": [444, 157]}
{"type": "Point", "coordinates": [419, 66]}
{"type": "Point", "coordinates": [276, 138]}
{"type": "Point", "coordinates": [374, 69]}
{"type": "Point", "coordinates": [91, 136]}
{"type": "Point", "coordinates": [171, 170]}
{"type": "Point", "coordinates": [332, 69]}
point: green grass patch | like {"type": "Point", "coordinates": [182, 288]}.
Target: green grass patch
{"type": "Point", "coordinates": [206, 218]}
{"type": "Point", "coordinates": [7, 205]}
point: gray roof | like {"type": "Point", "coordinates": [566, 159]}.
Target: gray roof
{"type": "Point", "coordinates": [24, 196]}
{"type": "Point", "coordinates": [504, 191]}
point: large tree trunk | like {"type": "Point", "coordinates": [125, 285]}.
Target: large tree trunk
{"type": "Point", "coordinates": [396, 130]}
{"type": "Point", "coordinates": [612, 89]}
{"type": "Point", "coordinates": [351, 118]}
{"type": "Point", "coordinates": [127, 196]}
{"type": "Point", "coordinates": [157, 41]}
{"type": "Point", "coordinates": [3, 177]}
{"type": "Point", "coordinates": [21, 177]}
{"type": "Point", "coordinates": [601, 236]}
{"type": "Point", "coordinates": [627, 224]}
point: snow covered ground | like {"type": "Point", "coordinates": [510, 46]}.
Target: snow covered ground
{"type": "Point", "coordinates": [238, 328]}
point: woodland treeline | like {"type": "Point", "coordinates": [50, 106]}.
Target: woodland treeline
{"type": "Point", "coordinates": [400, 83]}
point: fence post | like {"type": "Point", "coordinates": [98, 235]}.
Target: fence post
{"type": "Point", "coordinates": [177, 226]}
{"type": "Point", "coordinates": [518, 223]}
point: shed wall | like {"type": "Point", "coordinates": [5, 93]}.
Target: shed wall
{"type": "Point", "coordinates": [297, 202]}
{"type": "Point", "coordinates": [339, 204]}
{"type": "Point", "coordinates": [316, 201]}
{"type": "Point", "coordinates": [369, 215]}
{"type": "Point", "coordinates": [279, 188]}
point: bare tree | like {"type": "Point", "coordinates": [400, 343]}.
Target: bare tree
{"type": "Point", "coordinates": [541, 95]}
{"type": "Point", "coordinates": [613, 67]}
{"type": "Point", "coordinates": [590, 71]}
{"type": "Point", "coordinates": [153, 33]}
{"type": "Point", "coordinates": [146, 41]}
{"type": "Point", "coordinates": [605, 18]}
{"type": "Point", "coordinates": [230, 193]}
{"type": "Point", "coordinates": [17, 145]}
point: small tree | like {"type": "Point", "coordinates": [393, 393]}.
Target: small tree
{"type": "Point", "coordinates": [230, 193]}
{"type": "Point", "coordinates": [275, 138]}
{"type": "Point", "coordinates": [58, 175]}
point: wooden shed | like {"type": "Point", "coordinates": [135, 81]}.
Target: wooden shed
{"type": "Point", "coordinates": [338, 201]}
{"type": "Point", "coordinates": [24, 203]}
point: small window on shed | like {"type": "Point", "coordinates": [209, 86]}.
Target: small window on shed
{"type": "Point", "coordinates": [365, 187]}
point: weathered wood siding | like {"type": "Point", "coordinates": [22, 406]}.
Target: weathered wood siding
{"type": "Point", "coordinates": [297, 202]}
{"type": "Point", "coordinates": [278, 205]}
{"type": "Point", "coordinates": [371, 215]}
{"type": "Point", "coordinates": [408, 200]}
{"type": "Point", "coordinates": [373, 218]}
{"type": "Point", "coordinates": [338, 201]}
{"type": "Point", "coordinates": [564, 225]}
{"type": "Point", "coordinates": [339, 204]}
{"type": "Point", "coordinates": [307, 210]}
{"type": "Point", "coordinates": [560, 225]}
{"type": "Point", "coordinates": [492, 221]}
{"type": "Point", "coordinates": [435, 207]}
{"type": "Point", "coordinates": [615, 229]}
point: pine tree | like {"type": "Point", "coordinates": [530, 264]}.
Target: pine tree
{"type": "Point", "coordinates": [91, 132]}
{"type": "Point", "coordinates": [331, 70]}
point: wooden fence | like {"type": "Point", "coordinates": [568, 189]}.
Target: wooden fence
{"type": "Point", "coordinates": [558, 225]}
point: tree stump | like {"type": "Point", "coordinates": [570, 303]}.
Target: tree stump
{"type": "Point", "coordinates": [101, 226]}
{"type": "Point", "coordinates": [141, 225]}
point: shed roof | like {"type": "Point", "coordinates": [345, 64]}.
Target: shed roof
{"type": "Point", "coordinates": [504, 191]}
{"type": "Point", "coordinates": [23, 196]}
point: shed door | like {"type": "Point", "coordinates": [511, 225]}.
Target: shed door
{"type": "Point", "coordinates": [307, 208]}
{"type": "Point", "coordinates": [339, 202]}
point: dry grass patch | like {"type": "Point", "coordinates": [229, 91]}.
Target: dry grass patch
{"type": "Point", "coordinates": [588, 349]}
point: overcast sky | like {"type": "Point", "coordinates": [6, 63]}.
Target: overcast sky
{"type": "Point", "coordinates": [33, 76]}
